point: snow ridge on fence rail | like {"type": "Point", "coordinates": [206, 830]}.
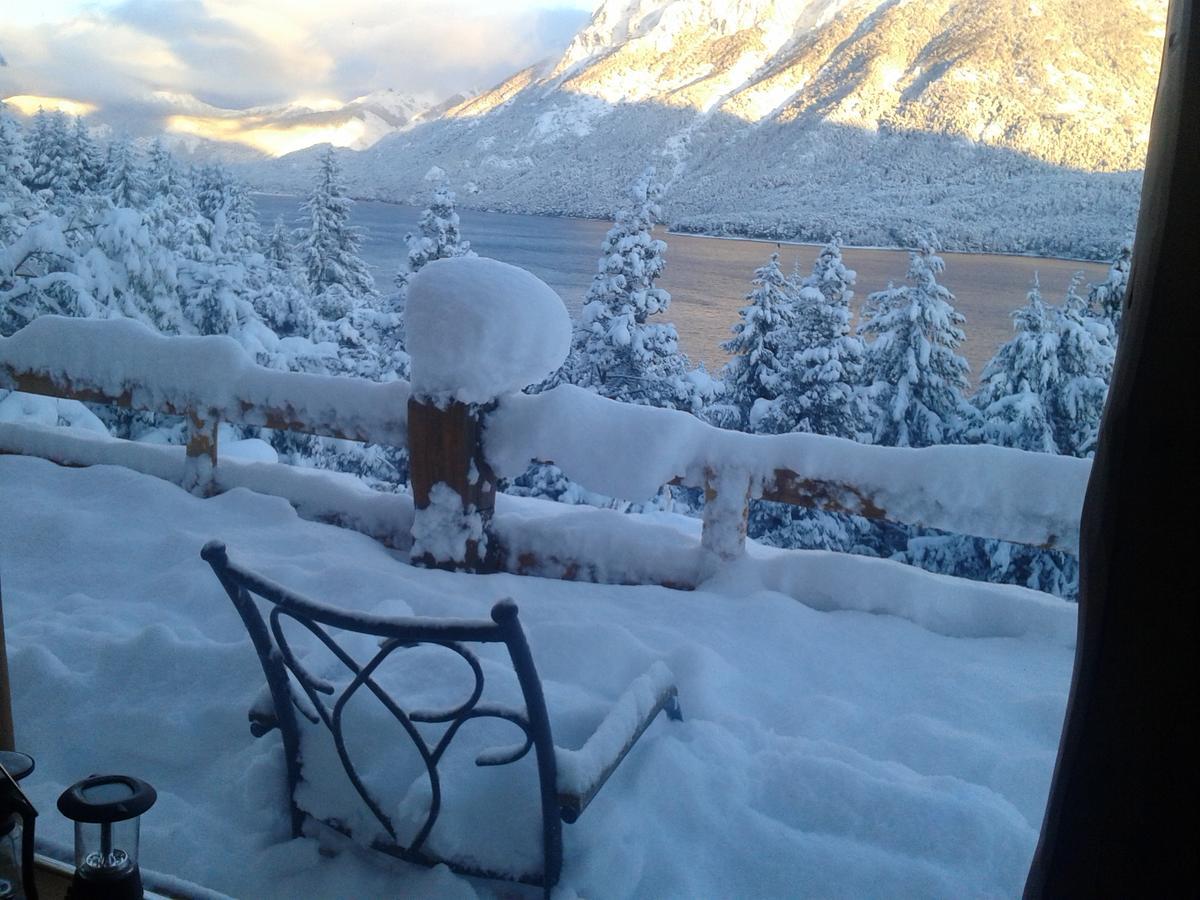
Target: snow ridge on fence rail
{"type": "Point", "coordinates": [124, 362]}
{"type": "Point", "coordinates": [629, 451]}
{"type": "Point", "coordinates": [618, 449]}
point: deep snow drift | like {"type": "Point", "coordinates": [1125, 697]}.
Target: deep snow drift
{"type": "Point", "coordinates": [824, 753]}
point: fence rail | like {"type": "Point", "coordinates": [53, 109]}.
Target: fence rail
{"type": "Point", "coordinates": [204, 380]}
{"type": "Point", "coordinates": [986, 491]}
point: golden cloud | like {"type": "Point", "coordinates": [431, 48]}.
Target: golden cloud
{"type": "Point", "coordinates": [275, 140]}
{"type": "Point", "coordinates": [29, 104]}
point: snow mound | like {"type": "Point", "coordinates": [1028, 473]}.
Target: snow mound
{"type": "Point", "coordinates": [478, 329]}
{"type": "Point", "coordinates": [869, 757]}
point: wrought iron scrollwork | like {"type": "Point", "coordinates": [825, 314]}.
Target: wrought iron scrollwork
{"type": "Point", "coordinates": [326, 702]}
{"type": "Point", "coordinates": [453, 717]}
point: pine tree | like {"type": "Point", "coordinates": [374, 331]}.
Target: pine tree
{"type": "Point", "coordinates": [18, 206]}
{"type": "Point", "coordinates": [759, 349]}
{"type": "Point", "coordinates": [39, 275]}
{"type": "Point", "coordinates": [916, 378]}
{"type": "Point", "coordinates": [437, 236]}
{"type": "Point", "coordinates": [124, 180]}
{"type": "Point", "coordinates": [1019, 381]}
{"type": "Point", "coordinates": [346, 306]}
{"type": "Point", "coordinates": [615, 351]}
{"type": "Point", "coordinates": [822, 391]}
{"type": "Point", "coordinates": [341, 286]}
{"type": "Point", "coordinates": [330, 248]}
{"type": "Point", "coordinates": [53, 167]}
{"type": "Point", "coordinates": [172, 210]}
{"type": "Point", "coordinates": [1085, 360]}
{"type": "Point", "coordinates": [288, 312]}
{"type": "Point", "coordinates": [90, 157]}
{"type": "Point", "coordinates": [1106, 298]}
{"type": "Point", "coordinates": [819, 393]}
{"type": "Point", "coordinates": [215, 293]}
{"type": "Point", "coordinates": [1028, 401]}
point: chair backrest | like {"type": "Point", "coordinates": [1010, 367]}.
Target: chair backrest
{"type": "Point", "coordinates": [326, 703]}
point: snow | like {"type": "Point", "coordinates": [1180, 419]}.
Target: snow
{"type": "Point", "coordinates": [120, 356]}
{"type": "Point", "coordinates": [826, 750]}
{"type": "Point", "coordinates": [49, 411]}
{"type": "Point", "coordinates": [579, 770]}
{"type": "Point", "coordinates": [478, 329]}
{"type": "Point", "coordinates": [317, 494]}
{"type": "Point", "coordinates": [442, 529]}
{"type": "Point", "coordinates": [628, 451]}
{"type": "Point", "coordinates": [557, 540]}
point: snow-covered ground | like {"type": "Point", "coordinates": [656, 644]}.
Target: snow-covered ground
{"type": "Point", "coordinates": [825, 751]}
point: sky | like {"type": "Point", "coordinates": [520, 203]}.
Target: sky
{"type": "Point", "coordinates": [134, 64]}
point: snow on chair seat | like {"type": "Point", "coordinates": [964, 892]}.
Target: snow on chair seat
{"type": "Point", "coordinates": [567, 779]}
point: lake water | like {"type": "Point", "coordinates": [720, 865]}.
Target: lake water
{"type": "Point", "coordinates": [708, 277]}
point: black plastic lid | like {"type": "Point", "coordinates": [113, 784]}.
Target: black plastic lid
{"type": "Point", "coordinates": [18, 764]}
{"type": "Point", "coordinates": [106, 798]}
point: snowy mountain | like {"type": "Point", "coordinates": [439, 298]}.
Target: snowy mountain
{"type": "Point", "coordinates": [1010, 124]}
{"type": "Point", "coordinates": [208, 132]}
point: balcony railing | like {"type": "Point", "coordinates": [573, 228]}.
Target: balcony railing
{"type": "Point", "coordinates": [620, 450]}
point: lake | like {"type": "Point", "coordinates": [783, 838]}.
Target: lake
{"type": "Point", "coordinates": [709, 277]}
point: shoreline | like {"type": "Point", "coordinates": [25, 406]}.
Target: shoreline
{"type": "Point", "coordinates": [718, 237]}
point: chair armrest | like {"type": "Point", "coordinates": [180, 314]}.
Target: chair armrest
{"type": "Point", "coordinates": [582, 772]}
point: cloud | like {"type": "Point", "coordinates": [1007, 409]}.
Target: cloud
{"type": "Point", "coordinates": [239, 54]}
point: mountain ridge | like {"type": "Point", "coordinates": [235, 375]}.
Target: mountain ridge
{"type": "Point", "coordinates": [763, 115]}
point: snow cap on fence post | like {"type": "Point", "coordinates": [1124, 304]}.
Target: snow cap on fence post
{"type": "Point", "coordinates": [476, 329]}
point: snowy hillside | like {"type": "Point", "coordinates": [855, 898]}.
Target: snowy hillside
{"type": "Point", "coordinates": [1009, 125]}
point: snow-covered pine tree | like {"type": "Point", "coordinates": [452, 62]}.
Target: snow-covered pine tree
{"type": "Point", "coordinates": [1019, 381]}
{"type": "Point", "coordinates": [1014, 402]}
{"type": "Point", "coordinates": [348, 315]}
{"type": "Point", "coordinates": [290, 313]}
{"type": "Point", "coordinates": [135, 275]}
{"type": "Point", "coordinates": [1085, 361]}
{"type": "Point", "coordinates": [1106, 298]}
{"type": "Point", "coordinates": [330, 244]}
{"type": "Point", "coordinates": [437, 236]}
{"type": "Point", "coordinates": [340, 283]}
{"type": "Point", "coordinates": [216, 298]}
{"type": "Point", "coordinates": [38, 260]}
{"type": "Point", "coordinates": [172, 210]}
{"type": "Point", "coordinates": [822, 391]}
{"type": "Point", "coordinates": [916, 377]}
{"type": "Point", "coordinates": [124, 180]}
{"type": "Point", "coordinates": [53, 166]}
{"type": "Point", "coordinates": [17, 203]}
{"type": "Point", "coordinates": [615, 351]}
{"type": "Point", "coordinates": [759, 349]}
{"type": "Point", "coordinates": [90, 156]}
{"type": "Point", "coordinates": [39, 276]}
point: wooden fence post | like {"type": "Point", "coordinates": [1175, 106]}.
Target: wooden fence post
{"type": "Point", "coordinates": [726, 511]}
{"type": "Point", "coordinates": [200, 465]}
{"type": "Point", "coordinates": [445, 448]}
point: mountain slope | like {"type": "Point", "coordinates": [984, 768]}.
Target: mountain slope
{"type": "Point", "coordinates": [1009, 124]}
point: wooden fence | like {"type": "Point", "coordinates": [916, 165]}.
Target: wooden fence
{"type": "Point", "coordinates": [446, 441]}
